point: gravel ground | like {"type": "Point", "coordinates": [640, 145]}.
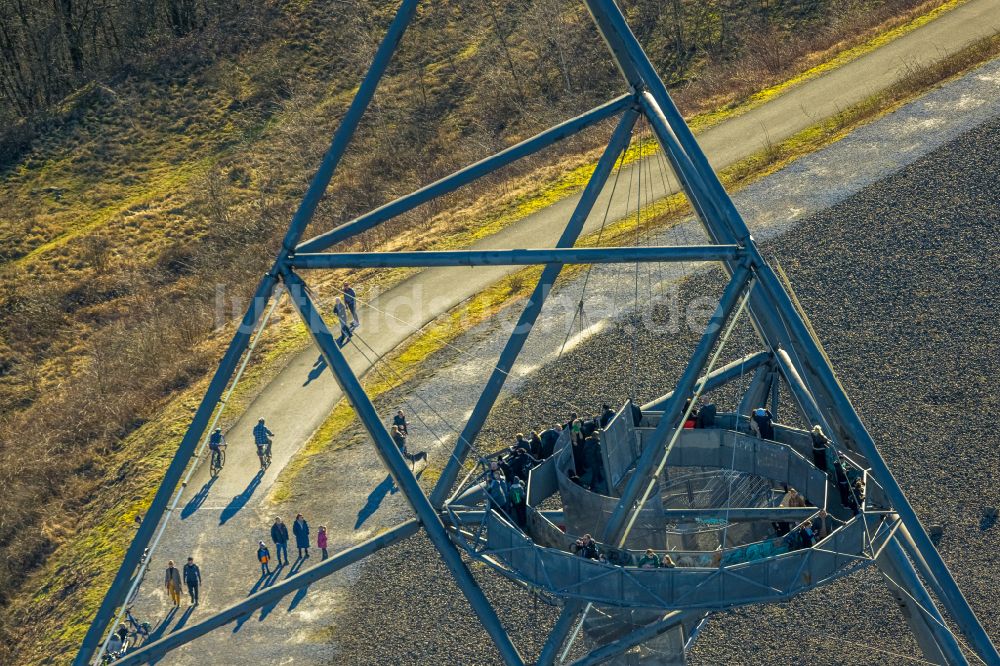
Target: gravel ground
{"type": "Point", "coordinates": [897, 281]}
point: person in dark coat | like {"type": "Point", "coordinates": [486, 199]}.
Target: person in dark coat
{"type": "Point", "coordinates": [264, 557]}
{"type": "Point", "coordinates": [820, 442]}
{"type": "Point", "coordinates": [763, 419]}
{"type": "Point", "coordinates": [351, 301]}
{"type": "Point", "coordinates": [520, 463]}
{"type": "Point", "coordinates": [535, 445]}
{"type": "Point", "coordinates": [594, 474]}
{"type": "Point", "coordinates": [706, 416]}
{"type": "Point", "coordinates": [549, 439]}
{"type": "Point", "coordinates": [587, 547]}
{"type": "Point", "coordinates": [399, 420]}
{"type": "Point", "coordinates": [636, 413]}
{"type": "Point", "coordinates": [518, 503]}
{"type": "Point", "coordinates": [192, 577]}
{"type": "Point", "coordinates": [843, 486]}
{"type": "Point", "coordinates": [301, 530]}
{"type": "Point", "coordinates": [606, 415]}
{"type": "Point", "coordinates": [279, 535]}
{"type": "Point", "coordinates": [497, 489]}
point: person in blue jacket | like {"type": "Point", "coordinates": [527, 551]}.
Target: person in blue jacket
{"type": "Point", "coordinates": [301, 530]}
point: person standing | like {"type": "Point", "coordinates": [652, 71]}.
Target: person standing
{"type": "Point", "coordinates": [172, 580]}
{"type": "Point", "coordinates": [819, 444]}
{"type": "Point", "coordinates": [351, 301]}
{"type": "Point", "coordinates": [399, 420]}
{"type": "Point", "coordinates": [321, 541]}
{"type": "Point", "coordinates": [192, 577]}
{"type": "Point", "coordinates": [518, 503]}
{"type": "Point", "coordinates": [279, 535]}
{"type": "Point", "coordinates": [345, 330]}
{"type": "Point", "coordinates": [263, 556]}
{"type": "Point", "coordinates": [763, 419]}
{"type": "Point", "coordinates": [301, 530]}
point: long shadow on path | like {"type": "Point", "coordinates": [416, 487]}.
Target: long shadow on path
{"type": "Point", "coordinates": [184, 618]}
{"type": "Point", "coordinates": [240, 500]}
{"type": "Point", "coordinates": [387, 487]}
{"type": "Point", "coordinates": [318, 367]}
{"type": "Point", "coordinates": [199, 498]}
{"type": "Point", "coordinates": [161, 628]}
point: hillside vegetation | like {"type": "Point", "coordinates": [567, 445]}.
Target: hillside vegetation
{"type": "Point", "coordinates": [151, 153]}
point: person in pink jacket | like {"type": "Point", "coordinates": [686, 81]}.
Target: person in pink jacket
{"type": "Point", "coordinates": [321, 541]}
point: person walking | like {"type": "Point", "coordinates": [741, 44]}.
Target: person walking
{"type": "Point", "coordinates": [172, 580]}
{"type": "Point", "coordinates": [399, 420]}
{"type": "Point", "coordinates": [301, 530]}
{"type": "Point", "coordinates": [345, 330]}
{"type": "Point", "coordinates": [279, 535]}
{"type": "Point", "coordinates": [192, 577]}
{"type": "Point", "coordinates": [351, 301]}
{"type": "Point", "coordinates": [820, 442]}
{"type": "Point", "coordinates": [321, 541]}
{"type": "Point", "coordinates": [263, 556]}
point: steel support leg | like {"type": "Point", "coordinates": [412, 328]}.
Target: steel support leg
{"type": "Point", "coordinates": [655, 451]}
{"type": "Point", "coordinates": [115, 595]}
{"type": "Point", "coordinates": [619, 141]}
{"type": "Point", "coordinates": [564, 624]}
{"type": "Point", "coordinates": [637, 637]}
{"type": "Point", "coordinates": [753, 397]}
{"type": "Point", "coordinates": [935, 640]}
{"type": "Point", "coordinates": [394, 461]}
{"type": "Point", "coordinates": [718, 377]}
{"type": "Point", "coordinates": [269, 595]}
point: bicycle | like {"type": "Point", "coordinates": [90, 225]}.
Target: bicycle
{"type": "Point", "coordinates": [264, 454]}
{"type": "Point", "coordinates": [218, 460]}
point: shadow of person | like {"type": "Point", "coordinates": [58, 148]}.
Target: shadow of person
{"type": "Point", "coordinates": [161, 628]}
{"type": "Point", "coordinates": [240, 500]}
{"type": "Point", "coordinates": [299, 596]}
{"type": "Point", "coordinates": [374, 501]}
{"type": "Point", "coordinates": [318, 367]}
{"type": "Point", "coordinates": [184, 618]}
{"type": "Point", "coordinates": [198, 499]}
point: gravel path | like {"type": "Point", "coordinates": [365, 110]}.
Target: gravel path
{"type": "Point", "coordinates": [896, 279]}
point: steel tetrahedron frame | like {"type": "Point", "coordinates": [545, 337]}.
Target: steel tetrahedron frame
{"type": "Point", "coordinates": [778, 322]}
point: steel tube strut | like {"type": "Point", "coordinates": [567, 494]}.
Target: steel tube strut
{"type": "Point", "coordinates": [649, 461]}
{"type": "Point", "coordinates": [629, 641]}
{"type": "Point", "coordinates": [619, 140]}
{"type": "Point", "coordinates": [393, 459]}
{"type": "Point", "coordinates": [302, 217]}
{"type": "Point", "coordinates": [935, 640]}
{"type": "Point", "coordinates": [520, 257]}
{"type": "Point", "coordinates": [718, 377]}
{"type": "Point", "coordinates": [564, 625]}
{"type": "Point", "coordinates": [269, 595]}
{"type": "Point", "coordinates": [467, 175]}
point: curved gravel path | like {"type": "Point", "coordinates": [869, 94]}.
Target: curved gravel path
{"type": "Point", "coordinates": [899, 280]}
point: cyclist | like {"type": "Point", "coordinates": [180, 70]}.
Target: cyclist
{"type": "Point", "coordinates": [262, 438]}
{"type": "Point", "coordinates": [216, 441]}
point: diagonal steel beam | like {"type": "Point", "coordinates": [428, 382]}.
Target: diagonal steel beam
{"type": "Point", "coordinates": [718, 377]}
{"type": "Point", "coordinates": [116, 593]}
{"type": "Point", "coordinates": [654, 453]}
{"type": "Point", "coordinates": [637, 637]}
{"type": "Point", "coordinates": [519, 257]}
{"type": "Point", "coordinates": [466, 175]}
{"type": "Point", "coordinates": [150, 652]}
{"type": "Point", "coordinates": [393, 459]}
{"type": "Point", "coordinates": [619, 141]}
